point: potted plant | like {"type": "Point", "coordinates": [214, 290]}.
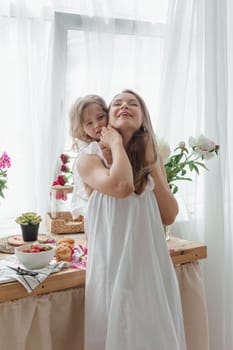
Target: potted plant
{"type": "Point", "coordinates": [29, 223]}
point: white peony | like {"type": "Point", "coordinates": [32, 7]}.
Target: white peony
{"type": "Point", "coordinates": [164, 149]}
{"type": "Point", "coordinates": [203, 147]}
{"type": "Point", "coordinates": [181, 144]}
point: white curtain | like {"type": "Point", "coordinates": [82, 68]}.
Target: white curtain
{"type": "Point", "coordinates": [196, 97]}
{"type": "Point", "coordinates": [219, 191]}
{"type": "Point", "coordinates": [193, 95]}
{"type": "Point", "coordinates": [27, 133]}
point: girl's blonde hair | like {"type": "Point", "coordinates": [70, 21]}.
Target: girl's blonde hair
{"type": "Point", "coordinates": [136, 147]}
{"type": "Point", "coordinates": [76, 117]}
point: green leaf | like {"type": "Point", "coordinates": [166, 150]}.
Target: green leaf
{"type": "Point", "coordinates": [202, 165]}
{"type": "Point", "coordinates": [192, 167]}
{"type": "Point", "coordinates": [183, 178]}
{"type": "Point", "coordinates": [183, 172]}
{"type": "Point", "coordinates": [176, 159]}
{"type": "Point", "coordinates": [196, 168]}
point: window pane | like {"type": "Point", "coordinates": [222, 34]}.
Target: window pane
{"type": "Point", "coordinates": [146, 10]}
{"type": "Point", "coordinates": [104, 64]}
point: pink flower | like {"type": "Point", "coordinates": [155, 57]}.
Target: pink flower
{"type": "Point", "coordinates": [64, 158]}
{"type": "Point", "coordinates": [61, 180]}
{"type": "Point", "coordinates": [5, 161]}
{"type": "Point", "coordinates": [61, 195]}
{"type": "Point", "coordinates": [55, 183]}
{"type": "Point", "coordinates": [64, 168]}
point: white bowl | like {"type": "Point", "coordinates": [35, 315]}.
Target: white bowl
{"type": "Point", "coordinates": [35, 260]}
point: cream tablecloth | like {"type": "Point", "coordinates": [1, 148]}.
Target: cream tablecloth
{"type": "Point", "coordinates": [48, 322]}
{"type": "Point", "coordinates": [55, 321]}
{"type": "Point", "coordinates": [193, 300]}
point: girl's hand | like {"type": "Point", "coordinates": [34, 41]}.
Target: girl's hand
{"type": "Point", "coordinates": [110, 136]}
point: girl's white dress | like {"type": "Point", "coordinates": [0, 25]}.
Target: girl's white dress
{"type": "Point", "coordinates": [79, 196]}
{"type": "Point", "coordinates": [132, 299]}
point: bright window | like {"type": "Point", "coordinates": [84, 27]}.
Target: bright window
{"type": "Point", "coordinates": [105, 56]}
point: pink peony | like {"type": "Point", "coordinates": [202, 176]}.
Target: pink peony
{"type": "Point", "coordinates": [61, 180]}
{"type": "Point", "coordinates": [64, 168]}
{"type": "Point", "coordinates": [5, 161]}
{"type": "Point", "coordinates": [64, 158]}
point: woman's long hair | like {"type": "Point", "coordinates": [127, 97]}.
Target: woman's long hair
{"type": "Point", "coordinates": [136, 147]}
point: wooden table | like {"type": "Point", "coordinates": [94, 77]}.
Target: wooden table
{"type": "Point", "coordinates": [182, 252]}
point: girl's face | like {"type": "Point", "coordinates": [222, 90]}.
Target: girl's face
{"type": "Point", "coordinates": [94, 118]}
{"type": "Point", "coordinates": [125, 113]}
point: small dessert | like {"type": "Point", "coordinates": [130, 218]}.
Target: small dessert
{"type": "Point", "coordinates": [63, 252]}
{"type": "Point", "coordinates": [67, 240]}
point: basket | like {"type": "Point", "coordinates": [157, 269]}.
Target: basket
{"type": "Point", "coordinates": [64, 223]}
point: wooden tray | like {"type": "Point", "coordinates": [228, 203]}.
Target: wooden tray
{"type": "Point", "coordinates": [17, 240]}
{"type": "Point", "coordinates": [8, 243]}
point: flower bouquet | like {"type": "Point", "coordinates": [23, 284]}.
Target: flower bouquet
{"type": "Point", "coordinates": [186, 158]}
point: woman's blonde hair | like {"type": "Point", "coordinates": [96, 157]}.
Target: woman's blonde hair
{"type": "Point", "coordinates": [136, 147]}
{"type": "Point", "coordinates": [76, 117]}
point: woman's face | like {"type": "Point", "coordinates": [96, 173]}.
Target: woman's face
{"type": "Point", "coordinates": [125, 113]}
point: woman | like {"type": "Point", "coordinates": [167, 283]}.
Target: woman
{"type": "Point", "coordinates": [132, 298]}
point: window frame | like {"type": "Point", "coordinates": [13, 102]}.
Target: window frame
{"type": "Point", "coordinates": [63, 22]}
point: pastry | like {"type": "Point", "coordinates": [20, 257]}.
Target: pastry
{"type": "Point", "coordinates": [63, 252]}
{"type": "Point", "coordinates": [66, 240]}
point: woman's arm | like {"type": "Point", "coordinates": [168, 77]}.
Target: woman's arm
{"type": "Point", "coordinates": [167, 203]}
{"type": "Point", "coordinates": [116, 181]}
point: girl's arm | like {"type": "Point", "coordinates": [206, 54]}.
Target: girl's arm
{"type": "Point", "coordinates": [116, 181]}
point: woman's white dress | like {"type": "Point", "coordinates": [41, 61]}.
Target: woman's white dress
{"type": "Point", "coordinates": [132, 299]}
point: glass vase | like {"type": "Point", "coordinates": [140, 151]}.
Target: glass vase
{"type": "Point", "coordinates": [167, 232]}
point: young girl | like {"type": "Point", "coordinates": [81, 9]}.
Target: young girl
{"type": "Point", "coordinates": [132, 296]}
{"type": "Point", "coordinates": [87, 117]}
